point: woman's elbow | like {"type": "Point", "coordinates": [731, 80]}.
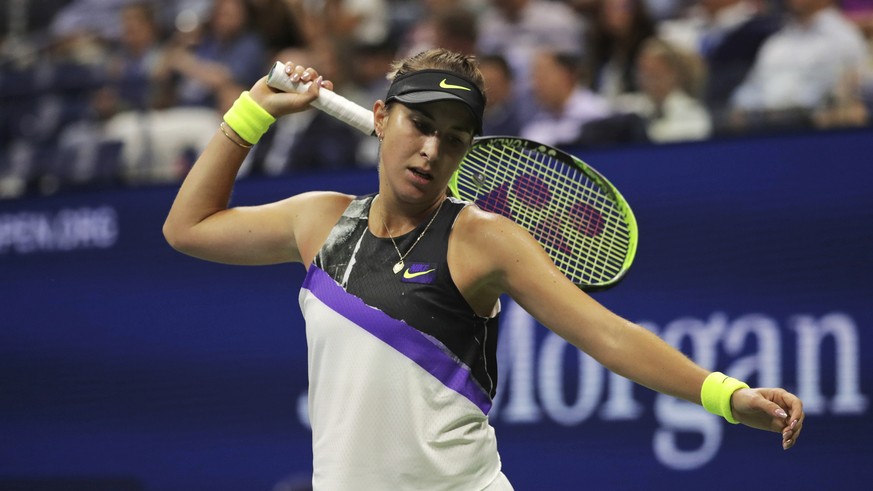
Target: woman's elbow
{"type": "Point", "coordinates": [176, 237]}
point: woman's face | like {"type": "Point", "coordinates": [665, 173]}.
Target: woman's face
{"type": "Point", "coordinates": [422, 147]}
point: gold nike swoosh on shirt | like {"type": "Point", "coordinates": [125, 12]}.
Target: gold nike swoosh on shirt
{"type": "Point", "coordinates": [445, 85]}
{"type": "Point", "coordinates": [409, 276]}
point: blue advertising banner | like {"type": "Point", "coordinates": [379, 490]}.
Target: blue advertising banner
{"type": "Point", "coordinates": [126, 365]}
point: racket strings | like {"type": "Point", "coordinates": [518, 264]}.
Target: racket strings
{"type": "Point", "coordinates": [573, 216]}
{"type": "Point", "coordinates": [591, 256]}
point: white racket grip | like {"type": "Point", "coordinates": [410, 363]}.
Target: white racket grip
{"type": "Point", "coordinates": [328, 101]}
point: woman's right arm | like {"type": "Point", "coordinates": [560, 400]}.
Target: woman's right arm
{"type": "Point", "coordinates": [201, 224]}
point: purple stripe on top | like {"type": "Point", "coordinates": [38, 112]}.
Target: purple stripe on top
{"type": "Point", "coordinates": [409, 341]}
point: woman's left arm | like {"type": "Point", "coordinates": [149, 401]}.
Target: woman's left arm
{"type": "Point", "coordinates": [512, 262]}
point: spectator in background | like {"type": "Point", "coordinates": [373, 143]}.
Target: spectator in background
{"type": "Point", "coordinates": [564, 103]}
{"type": "Point", "coordinates": [519, 27]}
{"type": "Point", "coordinates": [204, 69]}
{"type": "Point", "coordinates": [355, 21]}
{"type": "Point", "coordinates": [97, 18]}
{"type": "Point", "coordinates": [87, 155]}
{"type": "Point", "coordinates": [368, 83]}
{"type": "Point", "coordinates": [669, 81]}
{"type": "Point", "coordinates": [308, 140]}
{"type": "Point", "coordinates": [132, 68]}
{"type": "Point", "coordinates": [727, 34]}
{"type": "Point", "coordinates": [456, 29]}
{"type": "Point", "coordinates": [50, 93]}
{"type": "Point", "coordinates": [225, 51]}
{"type": "Point", "coordinates": [501, 111]}
{"type": "Point", "coordinates": [280, 23]}
{"type": "Point", "coordinates": [621, 28]}
{"type": "Point", "coordinates": [369, 72]}
{"type": "Point", "coordinates": [516, 29]}
{"type": "Point", "coordinates": [87, 152]}
{"type": "Point", "coordinates": [799, 68]}
{"type": "Point", "coordinates": [421, 35]}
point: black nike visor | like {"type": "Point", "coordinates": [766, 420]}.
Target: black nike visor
{"type": "Point", "coordinates": [434, 85]}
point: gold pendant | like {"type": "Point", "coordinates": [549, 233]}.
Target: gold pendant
{"type": "Point", "coordinates": [398, 266]}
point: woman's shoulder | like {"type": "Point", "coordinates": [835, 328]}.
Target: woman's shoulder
{"type": "Point", "coordinates": [325, 196]}
{"type": "Point", "coordinates": [486, 252]}
{"type": "Point", "coordinates": [313, 209]}
{"type": "Point", "coordinates": [321, 202]}
{"type": "Point", "coordinates": [477, 227]}
{"type": "Point", "coordinates": [314, 214]}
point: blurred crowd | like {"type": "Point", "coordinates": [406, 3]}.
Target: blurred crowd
{"type": "Point", "coordinates": [128, 92]}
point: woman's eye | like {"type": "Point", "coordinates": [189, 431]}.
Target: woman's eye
{"type": "Point", "coordinates": [459, 140]}
{"type": "Point", "coordinates": [421, 126]}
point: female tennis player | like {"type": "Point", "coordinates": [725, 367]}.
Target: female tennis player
{"type": "Point", "coordinates": [402, 289]}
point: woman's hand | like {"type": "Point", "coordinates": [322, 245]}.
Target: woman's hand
{"type": "Point", "coordinates": [770, 409]}
{"type": "Point", "coordinates": [279, 103]}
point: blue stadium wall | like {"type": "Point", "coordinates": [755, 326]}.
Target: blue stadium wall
{"type": "Point", "coordinates": [125, 365]}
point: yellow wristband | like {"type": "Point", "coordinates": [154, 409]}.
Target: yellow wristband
{"type": "Point", "coordinates": [716, 394]}
{"type": "Point", "coordinates": [248, 119]}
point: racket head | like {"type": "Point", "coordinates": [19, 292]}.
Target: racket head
{"type": "Point", "coordinates": [581, 220]}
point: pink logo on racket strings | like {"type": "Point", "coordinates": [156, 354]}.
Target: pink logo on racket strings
{"type": "Point", "coordinates": [534, 193]}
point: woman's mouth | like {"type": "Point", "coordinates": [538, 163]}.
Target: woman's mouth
{"type": "Point", "coordinates": [421, 176]}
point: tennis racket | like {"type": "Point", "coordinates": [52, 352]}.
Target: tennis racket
{"type": "Point", "coordinates": [579, 218]}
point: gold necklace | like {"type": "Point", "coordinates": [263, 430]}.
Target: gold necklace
{"type": "Point", "coordinates": [398, 266]}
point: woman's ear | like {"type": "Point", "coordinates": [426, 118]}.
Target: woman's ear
{"type": "Point", "coordinates": [380, 116]}
{"type": "Point", "coordinates": [381, 113]}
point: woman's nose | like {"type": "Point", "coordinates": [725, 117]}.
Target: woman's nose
{"type": "Point", "coordinates": [431, 147]}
